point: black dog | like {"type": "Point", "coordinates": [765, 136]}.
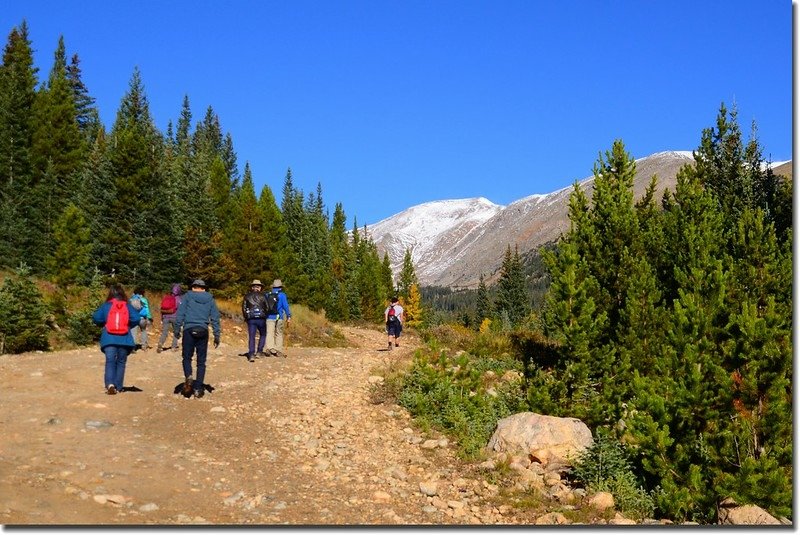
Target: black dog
{"type": "Point", "coordinates": [186, 391]}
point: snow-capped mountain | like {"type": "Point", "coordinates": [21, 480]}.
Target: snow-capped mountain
{"type": "Point", "coordinates": [453, 242]}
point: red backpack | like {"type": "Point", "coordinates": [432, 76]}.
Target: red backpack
{"type": "Point", "coordinates": [118, 317]}
{"type": "Point", "coordinates": [169, 305]}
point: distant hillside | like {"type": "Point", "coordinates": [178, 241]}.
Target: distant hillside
{"type": "Point", "coordinates": [453, 242]}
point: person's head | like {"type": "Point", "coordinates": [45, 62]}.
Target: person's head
{"type": "Point", "coordinates": [138, 290]}
{"type": "Point", "coordinates": [394, 300]}
{"type": "Point", "coordinates": [176, 289]}
{"type": "Point", "coordinates": [116, 291]}
{"type": "Point", "coordinates": [256, 285]}
{"type": "Point", "coordinates": [198, 285]}
{"type": "Point", "coordinates": [277, 285]}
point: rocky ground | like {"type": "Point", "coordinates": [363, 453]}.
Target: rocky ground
{"type": "Point", "coordinates": [297, 440]}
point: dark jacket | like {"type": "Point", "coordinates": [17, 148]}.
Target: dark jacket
{"type": "Point", "coordinates": [125, 340]}
{"type": "Point", "coordinates": [198, 309]}
{"type": "Point", "coordinates": [254, 306]}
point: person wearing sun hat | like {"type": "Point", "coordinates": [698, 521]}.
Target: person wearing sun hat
{"type": "Point", "coordinates": [197, 310]}
{"type": "Point", "coordinates": [277, 320]}
{"type": "Point", "coordinates": [254, 312]}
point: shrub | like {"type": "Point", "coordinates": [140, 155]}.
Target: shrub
{"type": "Point", "coordinates": [605, 467]}
{"type": "Point", "coordinates": [23, 315]}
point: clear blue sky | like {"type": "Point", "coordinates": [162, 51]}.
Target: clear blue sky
{"type": "Point", "coordinates": [392, 104]}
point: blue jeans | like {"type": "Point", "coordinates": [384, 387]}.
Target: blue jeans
{"type": "Point", "coordinates": [189, 345]}
{"type": "Point", "coordinates": [116, 359]}
{"type": "Point", "coordinates": [256, 325]}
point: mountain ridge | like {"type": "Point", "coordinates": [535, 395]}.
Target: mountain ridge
{"type": "Point", "coordinates": [455, 241]}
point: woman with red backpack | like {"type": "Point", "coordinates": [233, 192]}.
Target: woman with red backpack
{"type": "Point", "coordinates": [117, 317]}
{"type": "Point", "coordinates": [169, 309]}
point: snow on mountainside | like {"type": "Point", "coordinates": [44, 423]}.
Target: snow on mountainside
{"type": "Point", "coordinates": [429, 230]}
{"type": "Point", "coordinates": [454, 242]}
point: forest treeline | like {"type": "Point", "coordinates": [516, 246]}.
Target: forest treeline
{"type": "Point", "coordinates": [152, 208]}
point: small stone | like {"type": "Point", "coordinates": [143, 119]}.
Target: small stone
{"type": "Point", "coordinates": [381, 496]}
{"type": "Point", "coordinates": [148, 507]}
{"type": "Point", "coordinates": [429, 488]}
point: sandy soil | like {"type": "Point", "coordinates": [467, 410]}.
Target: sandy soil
{"type": "Point", "coordinates": [295, 441]}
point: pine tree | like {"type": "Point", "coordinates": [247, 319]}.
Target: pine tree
{"type": "Point", "coordinates": [407, 276]}
{"type": "Point", "coordinates": [23, 315]}
{"type": "Point", "coordinates": [140, 246]}
{"type": "Point", "coordinates": [17, 94]}
{"type": "Point", "coordinates": [249, 247]}
{"type": "Point", "coordinates": [512, 297]}
{"type": "Point", "coordinates": [69, 261]}
{"type": "Point", "coordinates": [483, 306]}
{"type": "Point", "coordinates": [86, 112]}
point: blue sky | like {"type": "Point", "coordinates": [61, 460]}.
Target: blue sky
{"type": "Point", "coordinates": [389, 104]}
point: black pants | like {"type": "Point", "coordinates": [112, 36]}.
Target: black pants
{"type": "Point", "coordinates": [195, 340]}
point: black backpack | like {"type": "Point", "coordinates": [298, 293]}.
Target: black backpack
{"type": "Point", "coordinates": [272, 303]}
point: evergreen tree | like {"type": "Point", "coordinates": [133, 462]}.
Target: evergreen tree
{"type": "Point", "coordinates": [407, 276]}
{"type": "Point", "coordinates": [512, 296]}
{"type": "Point", "coordinates": [17, 94]}
{"type": "Point", "coordinates": [86, 113]}
{"type": "Point", "coordinates": [57, 149]}
{"type": "Point", "coordinates": [249, 247]}
{"type": "Point", "coordinates": [140, 245]}
{"type": "Point", "coordinates": [23, 315]}
{"type": "Point", "coordinates": [483, 306]}
{"type": "Point", "coordinates": [69, 261]}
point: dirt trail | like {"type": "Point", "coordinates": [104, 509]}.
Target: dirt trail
{"type": "Point", "coordinates": [280, 441]}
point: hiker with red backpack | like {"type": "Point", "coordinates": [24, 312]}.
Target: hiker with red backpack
{"type": "Point", "coordinates": [393, 316]}
{"type": "Point", "coordinates": [169, 309]}
{"type": "Point", "coordinates": [117, 317]}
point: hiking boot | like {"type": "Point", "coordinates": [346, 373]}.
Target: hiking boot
{"type": "Point", "coordinates": [111, 390]}
{"type": "Point", "coordinates": [261, 355]}
{"type": "Point", "coordinates": [199, 392]}
{"type": "Point", "coordinates": [396, 344]}
{"type": "Point", "coordinates": [187, 386]}
{"type": "Point", "coordinates": [390, 346]}
{"type": "Point", "coordinates": [250, 358]}
{"type": "Point", "coordinates": [159, 349]}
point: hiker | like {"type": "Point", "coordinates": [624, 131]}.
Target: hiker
{"type": "Point", "coordinates": [198, 309]}
{"type": "Point", "coordinates": [117, 317]}
{"type": "Point", "coordinates": [169, 309]}
{"type": "Point", "coordinates": [277, 320]}
{"type": "Point", "coordinates": [142, 305]}
{"type": "Point", "coordinates": [254, 311]}
{"type": "Point", "coordinates": [393, 316]}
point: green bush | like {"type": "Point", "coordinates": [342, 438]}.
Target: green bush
{"type": "Point", "coordinates": [451, 394]}
{"type": "Point", "coordinates": [23, 315]}
{"type": "Point", "coordinates": [605, 467]}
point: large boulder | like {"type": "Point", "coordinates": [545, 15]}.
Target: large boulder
{"type": "Point", "coordinates": [731, 513]}
{"type": "Point", "coordinates": [544, 438]}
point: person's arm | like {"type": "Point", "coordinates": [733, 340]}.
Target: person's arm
{"type": "Point", "coordinates": [283, 302]}
{"type": "Point", "coordinates": [180, 315]}
{"type": "Point", "coordinates": [214, 316]}
{"type": "Point", "coordinates": [100, 315]}
{"type": "Point", "coordinates": [133, 316]}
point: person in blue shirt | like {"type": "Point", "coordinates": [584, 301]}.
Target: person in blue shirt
{"type": "Point", "coordinates": [277, 321]}
{"type": "Point", "coordinates": [116, 347]}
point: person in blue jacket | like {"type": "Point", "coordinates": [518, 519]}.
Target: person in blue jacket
{"type": "Point", "coordinates": [277, 321]}
{"type": "Point", "coordinates": [196, 312]}
{"type": "Point", "coordinates": [116, 347]}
